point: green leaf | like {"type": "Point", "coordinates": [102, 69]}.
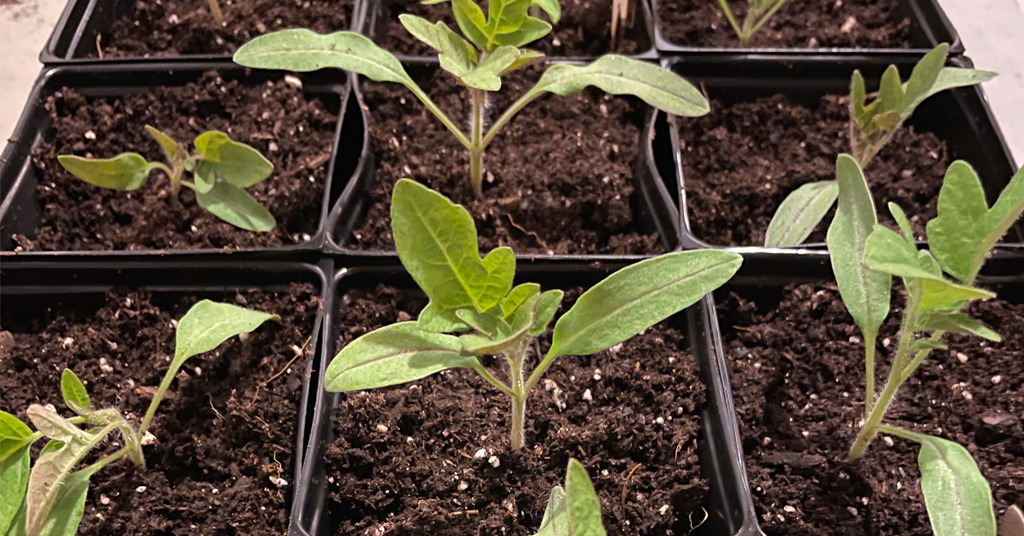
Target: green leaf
{"type": "Point", "coordinates": [235, 206]}
{"type": "Point", "coordinates": [487, 75]}
{"type": "Point", "coordinates": [14, 470]}
{"type": "Point", "coordinates": [46, 481]}
{"type": "Point", "coordinates": [865, 292]}
{"type": "Point", "coordinates": [457, 55]}
{"type": "Point", "coordinates": [517, 296]}
{"type": "Point", "coordinates": [582, 504]}
{"type": "Point", "coordinates": [801, 211]}
{"type": "Point", "coordinates": [639, 296]}
{"type": "Point", "coordinates": [954, 77]}
{"type": "Point", "coordinates": [486, 323]}
{"type": "Point", "coordinates": [437, 319]}
{"type": "Point", "coordinates": [531, 30]}
{"type": "Point", "coordinates": [74, 393]}
{"type": "Point", "coordinates": [1012, 523]}
{"type": "Point", "coordinates": [902, 221]}
{"type": "Point", "coordinates": [937, 294]}
{"type": "Point", "coordinates": [392, 355]}
{"type": "Point", "coordinates": [956, 494]}
{"type": "Point", "coordinates": [526, 57]}
{"type": "Point", "coordinates": [208, 324]}
{"type": "Point", "coordinates": [167, 143]}
{"type": "Point", "coordinates": [923, 78]}
{"type": "Point", "coordinates": [504, 337]}
{"type": "Point", "coordinates": [421, 29]}
{"type": "Point", "coordinates": [858, 96]}
{"type": "Point", "coordinates": [966, 230]}
{"type": "Point", "coordinates": [620, 75]}
{"type": "Point", "coordinates": [547, 306]}
{"type": "Point", "coordinates": [235, 162]}
{"type": "Point", "coordinates": [552, 7]}
{"type": "Point", "coordinates": [125, 172]}
{"type": "Point", "coordinates": [471, 21]}
{"type": "Point", "coordinates": [921, 345]}
{"type": "Point", "coordinates": [555, 521]}
{"type": "Point", "coordinates": [66, 514]}
{"type": "Point", "coordinates": [53, 426]}
{"type": "Point", "coordinates": [303, 50]}
{"type": "Point", "coordinates": [957, 323]}
{"type": "Point", "coordinates": [890, 92]}
{"type": "Point", "coordinates": [17, 526]}
{"type": "Point", "coordinates": [12, 428]}
{"type": "Point", "coordinates": [504, 16]}
{"type": "Point", "coordinates": [436, 242]}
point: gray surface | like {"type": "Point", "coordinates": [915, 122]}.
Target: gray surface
{"type": "Point", "coordinates": [988, 28]}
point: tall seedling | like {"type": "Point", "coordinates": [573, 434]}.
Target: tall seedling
{"type": "Point", "coordinates": [49, 498]}
{"type": "Point", "coordinates": [872, 125]}
{"type": "Point", "coordinates": [940, 283]}
{"type": "Point", "coordinates": [475, 311]}
{"type": "Point", "coordinates": [490, 46]}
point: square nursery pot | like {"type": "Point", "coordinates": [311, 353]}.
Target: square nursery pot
{"type": "Point", "coordinates": [654, 203]}
{"type": "Point", "coordinates": [778, 365]}
{"type": "Point", "coordinates": [718, 451]}
{"type": "Point", "coordinates": [86, 24]}
{"type": "Point", "coordinates": [381, 17]}
{"type": "Point", "coordinates": [35, 293]}
{"type": "Point", "coordinates": [961, 118]}
{"type": "Point", "coordinates": [929, 26]}
{"type": "Point", "coordinates": [21, 212]}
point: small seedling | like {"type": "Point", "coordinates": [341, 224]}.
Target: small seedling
{"type": "Point", "coordinates": [940, 283]}
{"type": "Point", "coordinates": [574, 510]}
{"type": "Point", "coordinates": [620, 14]}
{"type": "Point", "coordinates": [759, 12]}
{"type": "Point", "coordinates": [222, 169]}
{"type": "Point", "coordinates": [489, 47]}
{"type": "Point", "coordinates": [474, 299]}
{"type": "Point", "coordinates": [48, 500]}
{"type": "Point", "coordinates": [872, 125]}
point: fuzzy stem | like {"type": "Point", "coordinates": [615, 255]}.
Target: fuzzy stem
{"type": "Point", "coordinates": [476, 149]}
{"type": "Point", "coordinates": [869, 370]}
{"type": "Point", "coordinates": [157, 397]}
{"type": "Point", "coordinates": [440, 115]}
{"type": "Point", "coordinates": [519, 393]}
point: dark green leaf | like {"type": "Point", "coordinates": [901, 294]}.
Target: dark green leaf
{"type": "Point", "coordinates": [73, 391]}
{"type": "Point", "coordinates": [125, 172]}
{"type": "Point", "coordinates": [801, 211]}
{"type": "Point", "coordinates": [14, 470]}
{"type": "Point", "coordinates": [235, 206]}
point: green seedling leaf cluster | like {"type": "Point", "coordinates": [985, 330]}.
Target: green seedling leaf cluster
{"type": "Point", "coordinates": [474, 310]}
{"type": "Point", "coordinates": [221, 167]}
{"type": "Point", "coordinates": [940, 283]}
{"type": "Point", "coordinates": [48, 498]}
{"type": "Point", "coordinates": [759, 12]}
{"type": "Point", "coordinates": [484, 49]}
{"type": "Point", "coordinates": [574, 510]}
{"type": "Point", "coordinates": [872, 125]}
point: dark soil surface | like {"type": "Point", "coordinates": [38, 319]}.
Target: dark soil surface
{"type": "Point", "coordinates": [584, 29]}
{"type": "Point", "coordinates": [558, 177]}
{"type": "Point", "coordinates": [407, 462]}
{"type": "Point", "coordinates": [798, 380]}
{"type": "Point", "coordinates": [177, 27]}
{"type": "Point", "coordinates": [743, 159]}
{"type": "Point", "coordinates": [798, 24]}
{"type": "Point", "coordinates": [294, 132]}
{"type": "Point", "coordinates": [225, 433]}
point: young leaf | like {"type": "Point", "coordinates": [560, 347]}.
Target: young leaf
{"type": "Point", "coordinates": [517, 296]}
{"type": "Point", "coordinates": [486, 323]}
{"type": "Point", "coordinates": [504, 16]}
{"type": "Point", "coordinates": [954, 77]}
{"type": "Point", "coordinates": [471, 21]}
{"type": "Point", "coordinates": [235, 206]}
{"type": "Point", "coordinates": [965, 229]}
{"type": "Point", "coordinates": [14, 470]}
{"type": "Point", "coordinates": [801, 211]}
{"type": "Point", "coordinates": [303, 50]}
{"type": "Point", "coordinates": [620, 75]}
{"type": "Point", "coordinates": [14, 435]}
{"type": "Point", "coordinates": [506, 336]}
{"type": "Point", "coordinates": [551, 7]}
{"type": "Point", "coordinates": [939, 294]}
{"type": "Point", "coordinates": [74, 393]}
{"type": "Point", "coordinates": [925, 73]}
{"type": "Point", "coordinates": [54, 426]}
{"type": "Point", "coordinates": [921, 345]}
{"type": "Point", "coordinates": [865, 292]}
{"type": "Point", "coordinates": [235, 162]}
{"type": "Point", "coordinates": [956, 494]}
{"type": "Point", "coordinates": [437, 244]}
{"type": "Point", "coordinates": [958, 323]}
{"type": "Point", "coordinates": [207, 325]}
{"type": "Point", "coordinates": [392, 355]}
{"type": "Point", "coordinates": [46, 481]}
{"type": "Point", "coordinates": [1012, 523]}
{"type": "Point", "coordinates": [555, 521]}
{"type": "Point", "coordinates": [421, 29]}
{"type": "Point", "coordinates": [125, 172]}
{"type": "Point", "coordinates": [456, 56]}
{"type": "Point", "coordinates": [890, 92]}
{"type": "Point", "coordinates": [639, 296]}
{"type": "Point", "coordinates": [902, 221]}
{"type": "Point", "coordinates": [487, 75]}
{"type": "Point", "coordinates": [582, 504]}
{"type": "Point", "coordinates": [547, 306]}
{"type": "Point", "coordinates": [167, 143]}
{"type": "Point", "coordinates": [531, 30]}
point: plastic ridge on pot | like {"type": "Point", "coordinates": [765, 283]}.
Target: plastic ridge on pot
{"type": "Point", "coordinates": [655, 202]}
{"type": "Point", "coordinates": [961, 117]}
{"type": "Point", "coordinates": [929, 27]}
{"type": "Point", "coordinates": [19, 211]}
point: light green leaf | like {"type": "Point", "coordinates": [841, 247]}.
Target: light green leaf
{"type": "Point", "coordinates": [14, 470]}
{"type": "Point", "coordinates": [421, 29]}
{"type": "Point", "coordinates": [125, 172]}
{"type": "Point", "coordinates": [208, 324]}
{"type": "Point", "coordinates": [237, 207]}
{"type": "Point", "coordinates": [865, 292]}
{"type": "Point", "coordinates": [437, 319]}
{"type": "Point", "coordinates": [582, 504]}
{"type": "Point", "coordinates": [921, 345]}
{"type": "Point", "coordinates": [923, 78]}
{"type": "Point", "coordinates": [954, 77]}
{"type": "Point", "coordinates": [517, 296]}
{"type": "Point", "coordinates": [801, 211]}
{"type": "Point", "coordinates": [12, 428]}
{"type": "Point", "coordinates": [232, 161]}
{"type": "Point", "coordinates": [531, 30]}
{"type": "Point", "coordinates": [1012, 522]}
{"type": "Point", "coordinates": [471, 21]}
{"type": "Point", "coordinates": [392, 355]}
{"type": "Point", "coordinates": [939, 294]}
{"type": "Point", "coordinates": [547, 306]}
{"type": "Point", "coordinates": [902, 221]}
{"type": "Point", "coordinates": [69, 505]}
{"type": "Point", "coordinates": [436, 242]}
{"type": "Point", "coordinates": [504, 16]}
{"type": "Point", "coordinates": [526, 57]}
{"type": "Point", "coordinates": [303, 50]}
{"type": "Point", "coordinates": [639, 296]}
{"type": "Point", "coordinates": [890, 92]}
{"type": "Point", "coordinates": [487, 75]}
{"type": "Point", "coordinates": [73, 391]}
{"type": "Point", "coordinates": [858, 96]}
{"type": "Point", "coordinates": [457, 55]}
{"type": "Point", "coordinates": [620, 75]}
{"type": "Point", "coordinates": [486, 323]}
{"type": "Point", "coordinates": [966, 230]}
{"type": "Point", "coordinates": [167, 143]}
{"type": "Point", "coordinates": [957, 323]}
{"type": "Point", "coordinates": [506, 336]}
{"type": "Point", "coordinates": [555, 521]}
{"type": "Point", "coordinates": [889, 252]}
{"type": "Point", "coordinates": [552, 7]}
{"type": "Point", "coordinates": [956, 494]}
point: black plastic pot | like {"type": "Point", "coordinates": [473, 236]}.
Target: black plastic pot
{"type": "Point", "coordinates": [961, 117]}
{"type": "Point", "coordinates": [32, 288]}
{"type": "Point", "coordinates": [655, 201]}
{"type": "Point", "coordinates": [640, 27]}
{"type": "Point", "coordinates": [721, 463]}
{"type": "Point", "coordinates": [82, 21]}
{"type": "Point", "coordinates": [19, 212]}
{"type": "Point", "coordinates": [929, 26]}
